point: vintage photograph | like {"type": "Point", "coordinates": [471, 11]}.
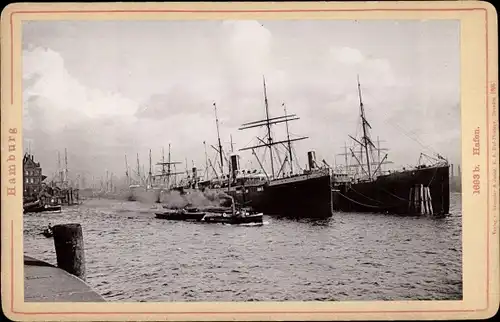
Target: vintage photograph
{"type": "Point", "coordinates": [241, 160]}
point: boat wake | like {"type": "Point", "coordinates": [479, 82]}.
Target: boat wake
{"type": "Point", "coordinates": [249, 224]}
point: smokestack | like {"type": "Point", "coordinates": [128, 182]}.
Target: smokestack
{"type": "Point", "coordinates": [194, 173]}
{"type": "Point", "coordinates": [311, 157]}
{"type": "Point", "coordinates": [234, 164]}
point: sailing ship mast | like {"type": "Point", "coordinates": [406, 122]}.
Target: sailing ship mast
{"type": "Point", "coordinates": [126, 171]}
{"type": "Point", "coordinates": [218, 138]}
{"type": "Point", "coordinates": [267, 122]}
{"type": "Point", "coordinates": [150, 169]}
{"type": "Point", "coordinates": [289, 143]}
{"type": "Point", "coordinates": [268, 125]}
{"type": "Point", "coordinates": [162, 161]}
{"type": "Point", "coordinates": [366, 145]}
{"type": "Point", "coordinates": [138, 169]}
{"type": "Point", "coordinates": [60, 173]}
{"type": "Point", "coordinates": [169, 164]}
{"type": "Point", "coordinates": [168, 167]}
{"type": "Point", "coordinates": [66, 167]}
{"type": "Point", "coordinates": [366, 139]}
{"type": "Point", "coordinates": [206, 160]}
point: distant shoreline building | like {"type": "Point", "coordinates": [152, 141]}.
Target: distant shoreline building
{"type": "Point", "coordinates": [32, 177]}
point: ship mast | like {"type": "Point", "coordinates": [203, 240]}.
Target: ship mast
{"type": "Point", "coordinates": [346, 162]}
{"type": "Point", "coordinates": [168, 167]}
{"type": "Point", "coordinates": [60, 174]}
{"type": "Point", "coordinates": [107, 181]}
{"type": "Point", "coordinates": [163, 164]}
{"type": "Point", "coordinates": [268, 125]}
{"type": "Point", "coordinates": [218, 138]}
{"type": "Point", "coordinates": [150, 166]}
{"type": "Point", "coordinates": [206, 160]}
{"type": "Point", "coordinates": [138, 169]}
{"type": "Point", "coordinates": [366, 140]}
{"type": "Point", "coordinates": [169, 164]}
{"type": "Point", "coordinates": [126, 170]}
{"type": "Point", "coordinates": [66, 181]}
{"type": "Point", "coordinates": [267, 122]}
{"type": "Point", "coordinates": [289, 143]}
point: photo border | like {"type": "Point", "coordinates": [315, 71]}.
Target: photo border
{"type": "Point", "coordinates": [467, 12]}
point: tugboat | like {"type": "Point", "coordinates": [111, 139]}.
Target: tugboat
{"type": "Point", "coordinates": [185, 214]}
{"type": "Point", "coordinates": [47, 232]}
{"type": "Point", "coordinates": [226, 215]}
{"type": "Point", "coordinates": [237, 217]}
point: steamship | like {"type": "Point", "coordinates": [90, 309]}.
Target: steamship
{"type": "Point", "coordinates": [153, 187]}
{"type": "Point", "coordinates": [288, 193]}
{"type": "Point", "coordinates": [423, 189]}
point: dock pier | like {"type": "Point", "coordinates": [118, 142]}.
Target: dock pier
{"type": "Point", "coordinates": [44, 282]}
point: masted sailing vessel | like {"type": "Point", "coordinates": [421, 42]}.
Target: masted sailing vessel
{"type": "Point", "coordinates": [275, 191]}
{"type": "Point", "coordinates": [152, 187]}
{"type": "Point", "coordinates": [365, 187]}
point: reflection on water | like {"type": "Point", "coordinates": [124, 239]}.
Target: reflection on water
{"type": "Point", "coordinates": [132, 256]}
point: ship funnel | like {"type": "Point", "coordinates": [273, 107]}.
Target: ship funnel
{"type": "Point", "coordinates": [311, 157]}
{"type": "Point", "coordinates": [234, 164]}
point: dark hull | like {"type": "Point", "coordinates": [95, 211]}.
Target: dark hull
{"type": "Point", "coordinates": [183, 216]}
{"type": "Point", "coordinates": [391, 193]}
{"type": "Point", "coordinates": [234, 220]}
{"type": "Point", "coordinates": [41, 209]}
{"type": "Point", "coordinates": [211, 218]}
{"type": "Point", "coordinates": [252, 198]}
{"type": "Point", "coordinates": [303, 196]}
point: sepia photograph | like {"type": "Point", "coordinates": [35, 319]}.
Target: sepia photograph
{"type": "Point", "coordinates": [241, 160]}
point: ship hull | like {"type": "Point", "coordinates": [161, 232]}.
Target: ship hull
{"type": "Point", "coordinates": [393, 193]}
{"type": "Point", "coordinates": [300, 196]}
{"type": "Point", "coordinates": [303, 196]}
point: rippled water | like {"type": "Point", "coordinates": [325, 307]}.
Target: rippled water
{"type": "Point", "coordinates": [132, 256]}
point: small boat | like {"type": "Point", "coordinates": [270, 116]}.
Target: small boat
{"type": "Point", "coordinates": [181, 214]}
{"type": "Point", "coordinates": [52, 208]}
{"type": "Point", "coordinates": [239, 217]}
{"type": "Point", "coordinates": [37, 206]}
{"type": "Point", "coordinates": [225, 215]}
{"type": "Point", "coordinates": [48, 233]}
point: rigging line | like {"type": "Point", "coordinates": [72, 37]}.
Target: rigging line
{"type": "Point", "coordinates": [400, 127]}
{"type": "Point", "coordinates": [400, 198]}
{"type": "Point", "coordinates": [359, 193]}
{"type": "Point", "coordinates": [433, 176]}
{"type": "Point", "coordinates": [365, 205]}
{"type": "Point", "coordinates": [277, 154]}
{"type": "Point", "coordinates": [297, 161]}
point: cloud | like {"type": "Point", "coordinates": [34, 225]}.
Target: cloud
{"type": "Point", "coordinates": [105, 89]}
{"type": "Point", "coordinates": [347, 55]}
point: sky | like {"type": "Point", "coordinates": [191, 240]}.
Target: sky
{"type": "Point", "coordinates": [106, 89]}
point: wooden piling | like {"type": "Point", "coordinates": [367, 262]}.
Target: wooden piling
{"type": "Point", "coordinates": [410, 202]}
{"type": "Point", "coordinates": [429, 200]}
{"type": "Point", "coordinates": [422, 200]}
{"type": "Point", "coordinates": [417, 199]}
{"type": "Point", "coordinates": [68, 241]}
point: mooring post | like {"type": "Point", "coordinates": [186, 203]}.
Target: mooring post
{"type": "Point", "coordinates": [68, 241]}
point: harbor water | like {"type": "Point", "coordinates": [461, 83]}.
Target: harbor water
{"type": "Point", "coordinates": [132, 256]}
